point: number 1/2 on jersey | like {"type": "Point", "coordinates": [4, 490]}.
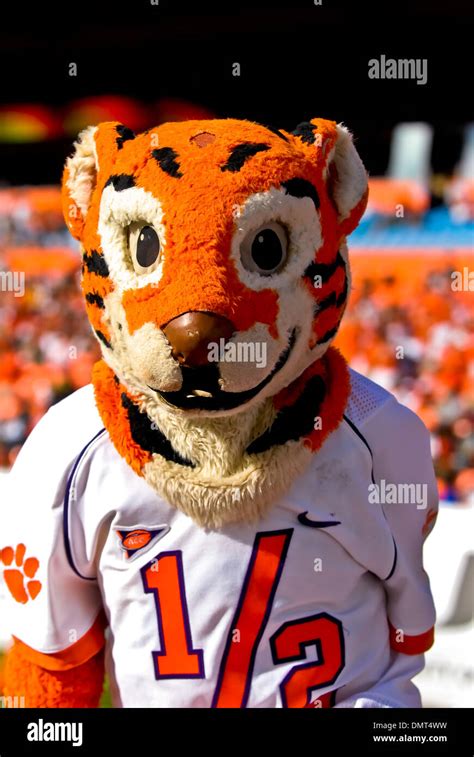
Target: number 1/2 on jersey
{"type": "Point", "coordinates": [164, 578]}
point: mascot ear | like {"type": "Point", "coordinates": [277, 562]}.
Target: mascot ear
{"type": "Point", "coordinates": [331, 149]}
{"type": "Point", "coordinates": [347, 181]}
{"type": "Point", "coordinates": [89, 167]}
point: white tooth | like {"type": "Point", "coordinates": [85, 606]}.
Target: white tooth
{"type": "Point", "coordinates": [199, 393]}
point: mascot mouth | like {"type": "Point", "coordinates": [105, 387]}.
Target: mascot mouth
{"type": "Point", "coordinates": [201, 389]}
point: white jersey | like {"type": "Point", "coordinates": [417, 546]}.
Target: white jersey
{"type": "Point", "coordinates": [323, 603]}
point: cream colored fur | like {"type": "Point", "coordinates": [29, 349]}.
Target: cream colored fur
{"type": "Point", "coordinates": [246, 495]}
{"type": "Point", "coordinates": [352, 178]}
{"type": "Point", "coordinates": [83, 168]}
{"type": "Point", "coordinates": [117, 211]}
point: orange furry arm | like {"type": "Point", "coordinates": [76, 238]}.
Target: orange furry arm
{"type": "Point", "coordinates": [80, 686]}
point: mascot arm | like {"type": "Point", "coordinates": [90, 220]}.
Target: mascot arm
{"type": "Point", "coordinates": [395, 687]}
{"type": "Point", "coordinates": [79, 686]}
{"type": "Point", "coordinates": [53, 604]}
{"type": "Point", "coordinates": [400, 446]}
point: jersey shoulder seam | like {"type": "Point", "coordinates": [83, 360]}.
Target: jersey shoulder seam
{"type": "Point", "coordinates": [68, 499]}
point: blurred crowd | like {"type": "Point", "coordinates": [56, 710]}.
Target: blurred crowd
{"type": "Point", "coordinates": [410, 331]}
{"type": "Point", "coordinates": [47, 351]}
{"type": "Point", "coordinates": [406, 328]}
{"type": "Point", "coordinates": [46, 346]}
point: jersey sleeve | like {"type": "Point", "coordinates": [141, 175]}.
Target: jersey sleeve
{"type": "Point", "coordinates": [52, 611]}
{"type": "Point", "coordinates": [404, 486]}
{"type": "Point", "coordinates": [403, 472]}
{"type": "Point", "coordinates": [393, 689]}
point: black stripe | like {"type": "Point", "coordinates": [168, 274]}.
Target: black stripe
{"type": "Point", "coordinates": [302, 188]}
{"type": "Point", "coordinates": [166, 159]}
{"type": "Point", "coordinates": [328, 302]}
{"type": "Point", "coordinates": [305, 131]}
{"type": "Point", "coordinates": [124, 134]}
{"type": "Point", "coordinates": [293, 422]}
{"type": "Point", "coordinates": [95, 263]}
{"type": "Point", "coordinates": [324, 270]}
{"type": "Point", "coordinates": [342, 297]}
{"type": "Point", "coordinates": [328, 335]}
{"type": "Point", "coordinates": [240, 153]}
{"type": "Point", "coordinates": [332, 299]}
{"type": "Point", "coordinates": [149, 437]}
{"type": "Point", "coordinates": [103, 339]}
{"type": "Point", "coordinates": [120, 181]}
{"type": "Point", "coordinates": [95, 299]}
{"type": "Point", "coordinates": [276, 131]}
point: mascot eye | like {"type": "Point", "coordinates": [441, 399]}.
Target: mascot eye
{"type": "Point", "coordinates": [144, 245]}
{"type": "Point", "coordinates": [265, 251]}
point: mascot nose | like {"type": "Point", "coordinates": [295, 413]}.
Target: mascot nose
{"type": "Point", "coordinates": [191, 334]}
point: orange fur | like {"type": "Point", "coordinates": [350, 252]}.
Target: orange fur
{"type": "Point", "coordinates": [78, 687]}
{"type": "Point", "coordinates": [147, 305]}
{"type": "Point", "coordinates": [334, 371]}
{"type": "Point", "coordinates": [334, 403]}
{"type": "Point", "coordinates": [102, 285]}
{"type": "Point", "coordinates": [115, 417]}
{"type": "Point", "coordinates": [327, 320]}
{"type": "Point", "coordinates": [94, 314]}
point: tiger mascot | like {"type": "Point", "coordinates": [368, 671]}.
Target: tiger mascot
{"type": "Point", "coordinates": [205, 520]}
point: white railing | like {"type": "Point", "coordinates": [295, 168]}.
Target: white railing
{"type": "Point", "coordinates": [448, 678]}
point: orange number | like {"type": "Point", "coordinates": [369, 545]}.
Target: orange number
{"type": "Point", "coordinates": [288, 645]}
{"type": "Point", "coordinates": [163, 578]}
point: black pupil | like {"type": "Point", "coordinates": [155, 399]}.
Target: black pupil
{"type": "Point", "coordinates": [267, 252]}
{"type": "Point", "coordinates": [148, 247]}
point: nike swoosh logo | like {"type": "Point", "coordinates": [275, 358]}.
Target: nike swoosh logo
{"type": "Point", "coordinates": [305, 521]}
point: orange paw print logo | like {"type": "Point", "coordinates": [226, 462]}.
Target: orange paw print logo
{"type": "Point", "coordinates": [20, 575]}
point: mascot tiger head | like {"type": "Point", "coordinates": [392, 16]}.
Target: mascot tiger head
{"type": "Point", "coordinates": [215, 274]}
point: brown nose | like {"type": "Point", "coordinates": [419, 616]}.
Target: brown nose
{"type": "Point", "coordinates": [191, 334]}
